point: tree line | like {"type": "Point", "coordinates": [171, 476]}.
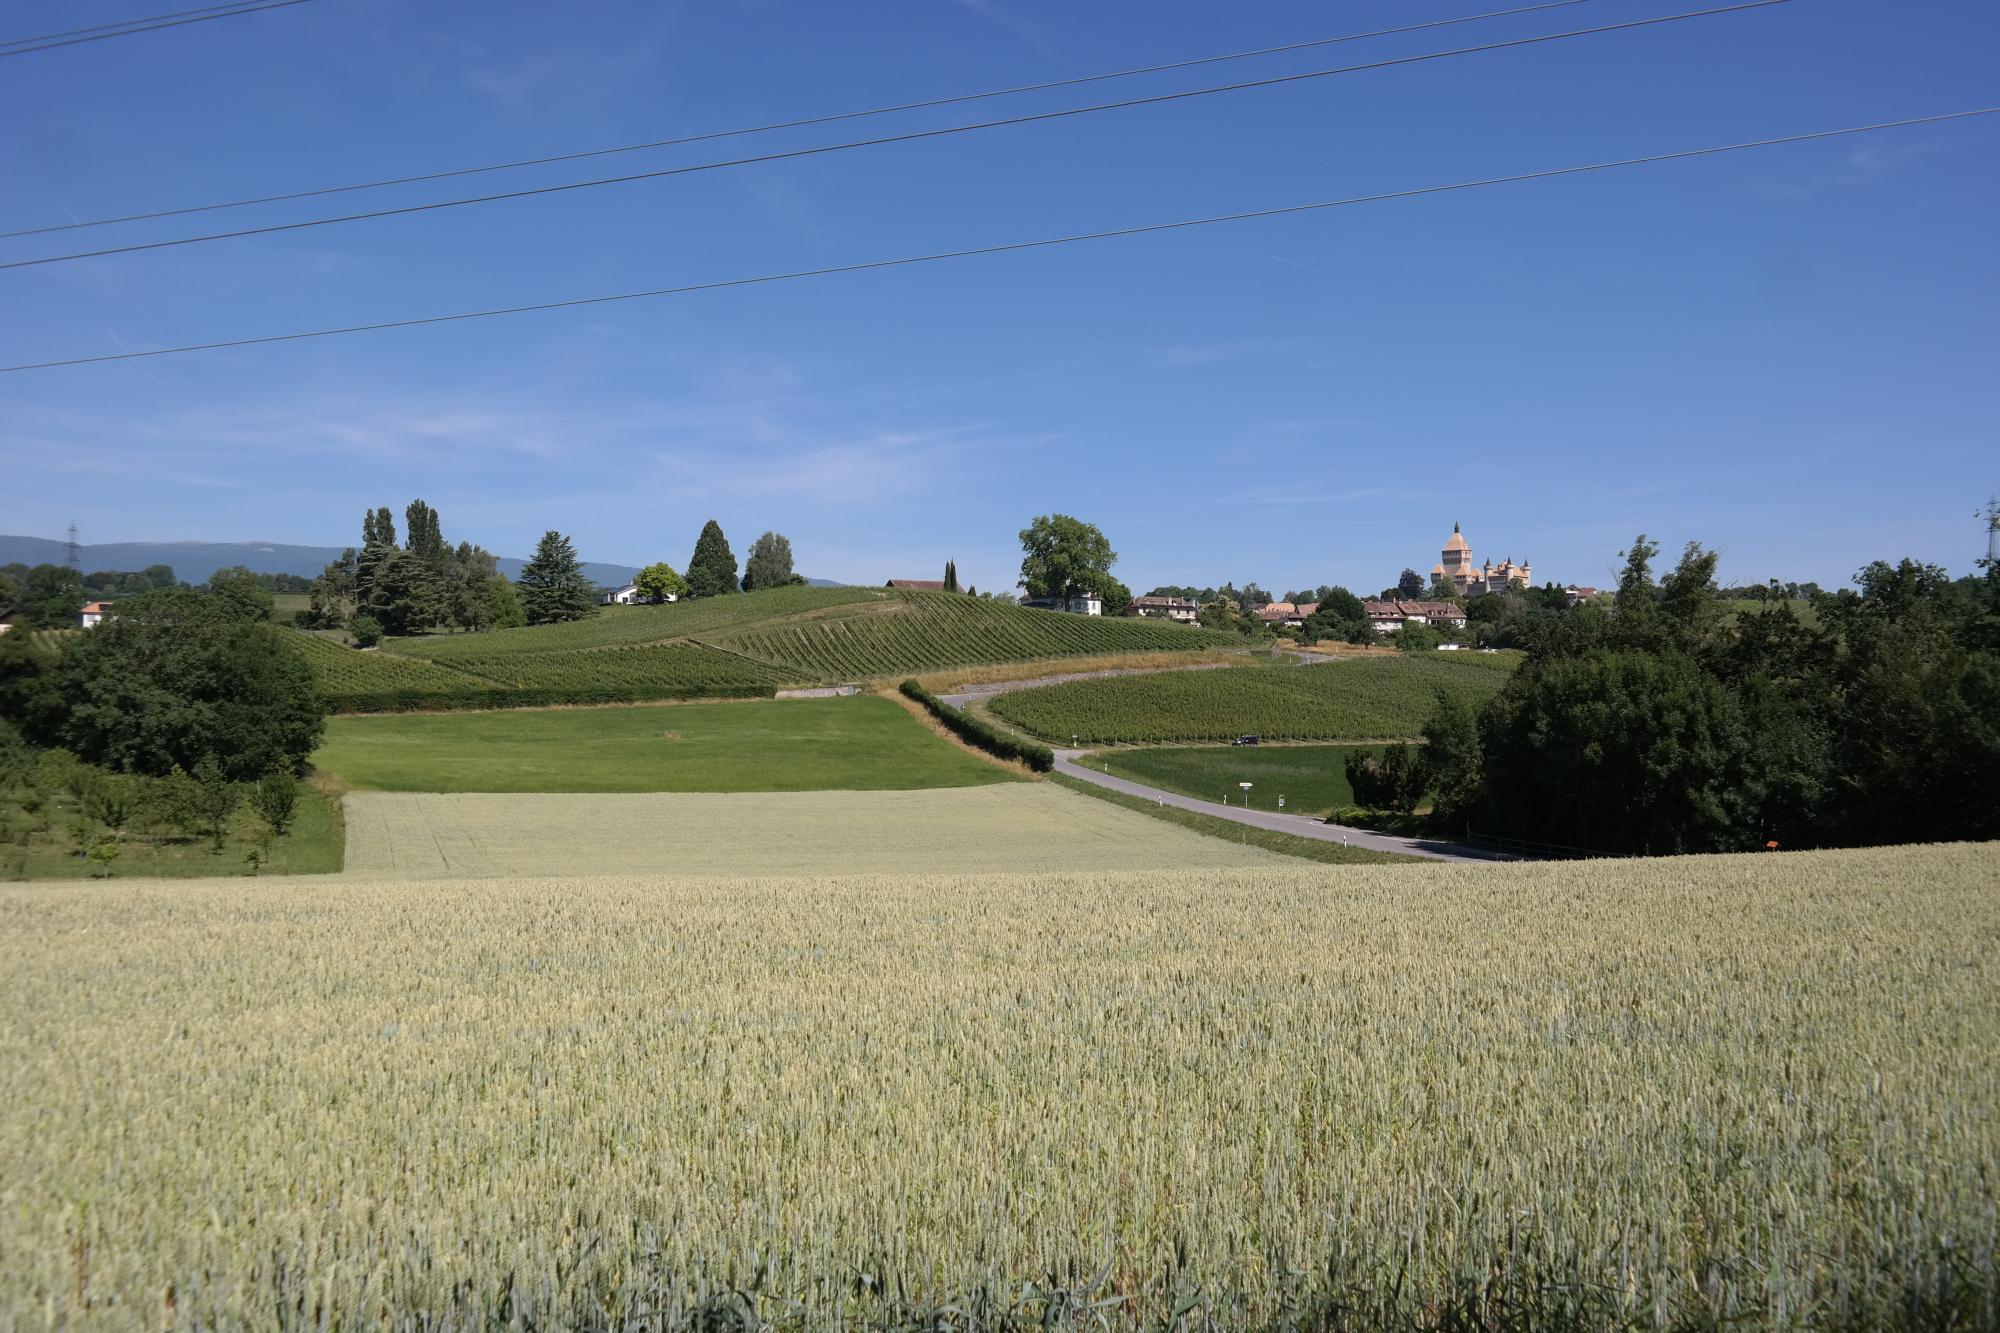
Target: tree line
{"type": "Point", "coordinates": [1664, 721]}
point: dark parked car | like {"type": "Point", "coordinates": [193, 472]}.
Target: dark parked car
{"type": "Point", "coordinates": [1244, 740]}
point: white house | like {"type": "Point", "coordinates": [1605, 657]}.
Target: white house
{"type": "Point", "coordinates": [629, 595]}
{"type": "Point", "coordinates": [93, 614]}
{"type": "Point", "coordinates": [1084, 604]}
{"type": "Point", "coordinates": [1170, 608]}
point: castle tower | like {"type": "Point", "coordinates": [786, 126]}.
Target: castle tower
{"type": "Point", "coordinates": [1457, 567]}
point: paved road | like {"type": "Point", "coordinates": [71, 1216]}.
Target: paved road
{"type": "Point", "coordinates": [1299, 826]}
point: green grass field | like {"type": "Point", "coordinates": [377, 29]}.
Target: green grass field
{"type": "Point", "coordinates": [1374, 698]}
{"type": "Point", "coordinates": [860, 743]}
{"type": "Point", "coordinates": [1311, 778]}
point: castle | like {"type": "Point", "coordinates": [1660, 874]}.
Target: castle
{"type": "Point", "coordinates": [1457, 573]}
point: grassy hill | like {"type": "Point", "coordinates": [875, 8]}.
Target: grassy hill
{"type": "Point", "coordinates": [745, 645]}
{"type": "Point", "coordinates": [1376, 698]}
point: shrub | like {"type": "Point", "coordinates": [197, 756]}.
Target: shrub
{"type": "Point", "coordinates": [980, 733]}
{"type": "Point", "coordinates": [365, 630]}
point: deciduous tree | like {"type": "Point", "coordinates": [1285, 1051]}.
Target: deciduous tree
{"type": "Point", "coordinates": [1064, 557]}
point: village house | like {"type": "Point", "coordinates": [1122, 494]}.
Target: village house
{"type": "Point", "coordinates": [93, 614]}
{"type": "Point", "coordinates": [1163, 608]}
{"type": "Point", "coordinates": [1292, 615]}
{"type": "Point", "coordinates": [1387, 617]}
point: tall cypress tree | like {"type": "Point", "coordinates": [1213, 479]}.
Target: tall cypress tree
{"type": "Point", "coordinates": [951, 576]}
{"type": "Point", "coordinates": [552, 585]}
{"type": "Point", "coordinates": [712, 570]}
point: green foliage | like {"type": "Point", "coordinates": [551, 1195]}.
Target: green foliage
{"type": "Point", "coordinates": [1375, 698]}
{"type": "Point", "coordinates": [175, 679]}
{"type": "Point", "coordinates": [1064, 557]}
{"type": "Point", "coordinates": [366, 631]}
{"type": "Point", "coordinates": [712, 569]}
{"type": "Point", "coordinates": [977, 731]}
{"type": "Point", "coordinates": [1451, 759]}
{"type": "Point", "coordinates": [503, 605]}
{"type": "Point", "coordinates": [1116, 595]}
{"type": "Point", "coordinates": [276, 799]}
{"type": "Point", "coordinates": [660, 583]}
{"type": "Point", "coordinates": [770, 563]}
{"type": "Point", "coordinates": [240, 594]}
{"type": "Point", "coordinates": [1415, 638]}
{"type": "Point", "coordinates": [553, 588]}
{"type": "Point", "coordinates": [1410, 586]}
{"type": "Point", "coordinates": [50, 597]}
{"type": "Point", "coordinates": [216, 798]}
{"type": "Point", "coordinates": [951, 576]}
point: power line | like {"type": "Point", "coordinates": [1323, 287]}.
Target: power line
{"type": "Point", "coordinates": [106, 31]}
{"type": "Point", "coordinates": [125, 23]}
{"type": "Point", "coordinates": [1009, 247]}
{"type": "Point", "coordinates": [907, 137]}
{"type": "Point", "coordinates": [829, 119]}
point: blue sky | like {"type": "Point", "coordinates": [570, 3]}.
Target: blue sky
{"type": "Point", "coordinates": [1788, 354]}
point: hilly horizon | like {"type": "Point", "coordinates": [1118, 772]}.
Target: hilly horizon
{"type": "Point", "coordinates": [195, 561]}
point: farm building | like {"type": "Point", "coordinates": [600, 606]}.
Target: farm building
{"type": "Point", "coordinates": [93, 614]}
{"type": "Point", "coordinates": [1163, 608]}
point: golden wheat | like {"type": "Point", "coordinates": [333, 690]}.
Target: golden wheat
{"type": "Point", "coordinates": [1699, 1087]}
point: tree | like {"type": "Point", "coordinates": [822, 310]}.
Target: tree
{"type": "Point", "coordinates": [503, 607]}
{"type": "Point", "coordinates": [553, 588]}
{"type": "Point", "coordinates": [218, 798]}
{"type": "Point", "coordinates": [176, 678]}
{"type": "Point", "coordinates": [712, 569]}
{"type": "Point", "coordinates": [333, 592]}
{"type": "Point", "coordinates": [51, 596]}
{"type": "Point", "coordinates": [951, 576]}
{"type": "Point", "coordinates": [365, 630]}
{"type": "Point", "coordinates": [1622, 752]}
{"type": "Point", "coordinates": [770, 563]}
{"type": "Point", "coordinates": [236, 589]}
{"type": "Point", "coordinates": [1115, 594]}
{"type": "Point", "coordinates": [1410, 586]}
{"type": "Point", "coordinates": [276, 799]}
{"type": "Point", "coordinates": [1416, 638]}
{"type": "Point", "coordinates": [1451, 759]}
{"type": "Point", "coordinates": [660, 582]}
{"type": "Point", "coordinates": [424, 538]}
{"type": "Point", "coordinates": [1064, 557]}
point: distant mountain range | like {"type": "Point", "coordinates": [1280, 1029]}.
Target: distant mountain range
{"type": "Point", "coordinates": [193, 562]}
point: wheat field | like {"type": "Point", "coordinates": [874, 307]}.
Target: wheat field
{"type": "Point", "coordinates": [1641, 1093]}
{"type": "Point", "coordinates": [1010, 828]}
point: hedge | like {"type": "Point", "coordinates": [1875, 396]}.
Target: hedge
{"type": "Point", "coordinates": [981, 733]}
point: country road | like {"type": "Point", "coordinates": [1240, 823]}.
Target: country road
{"type": "Point", "coordinates": [1299, 826]}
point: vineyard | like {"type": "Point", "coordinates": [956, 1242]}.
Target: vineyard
{"type": "Point", "coordinates": [1370, 699]}
{"type": "Point", "coordinates": [929, 631]}
{"type": "Point", "coordinates": [372, 682]}
{"type": "Point", "coordinates": [672, 670]}
{"type": "Point", "coordinates": [744, 645]}
{"type": "Point", "coordinates": [630, 626]}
